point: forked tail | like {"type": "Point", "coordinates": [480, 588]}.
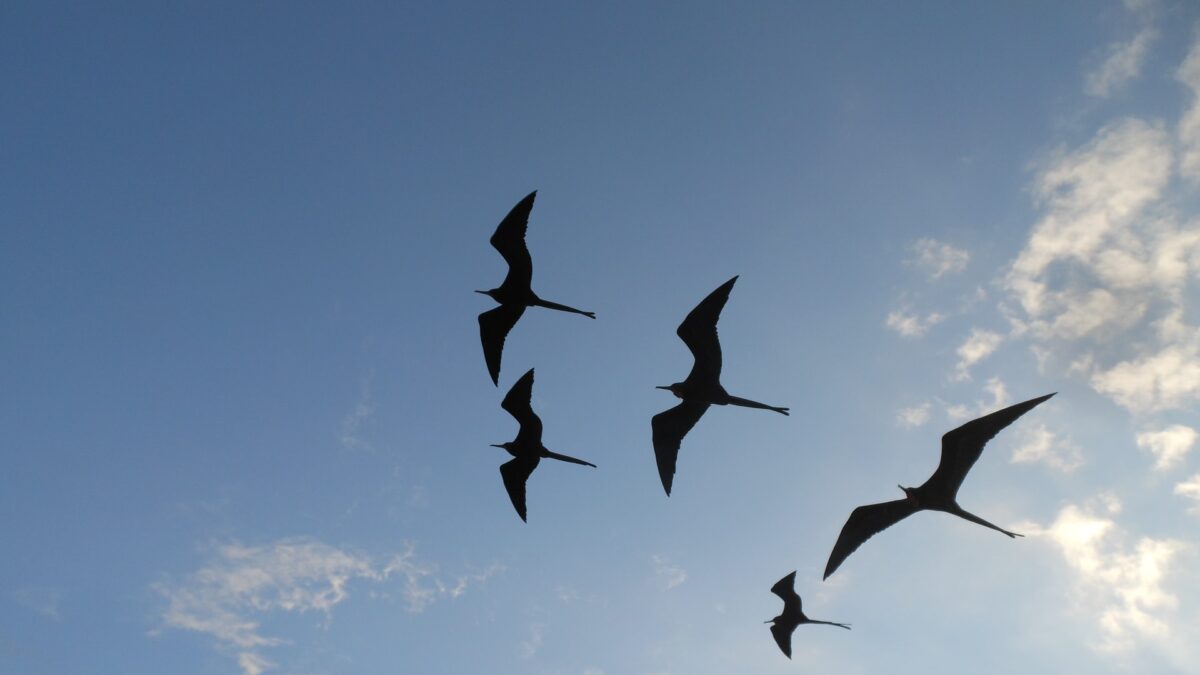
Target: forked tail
{"type": "Point", "coordinates": [747, 403]}
{"type": "Point", "coordinates": [831, 623]}
{"type": "Point", "coordinates": [563, 308]}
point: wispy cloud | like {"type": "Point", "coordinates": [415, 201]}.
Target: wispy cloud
{"type": "Point", "coordinates": [353, 421]}
{"type": "Point", "coordinates": [912, 325]}
{"type": "Point", "coordinates": [1037, 444]}
{"type": "Point", "coordinates": [937, 258]}
{"type": "Point", "coordinates": [1190, 489]}
{"type": "Point", "coordinates": [668, 574]}
{"type": "Point", "coordinates": [1122, 62]}
{"type": "Point", "coordinates": [243, 585]}
{"type": "Point", "coordinates": [915, 416]}
{"type": "Point", "coordinates": [994, 388]}
{"type": "Point", "coordinates": [40, 599]}
{"type": "Point", "coordinates": [1121, 584]}
{"type": "Point", "coordinates": [531, 645]}
{"type": "Point", "coordinates": [978, 346]}
{"type": "Point", "coordinates": [1169, 445]}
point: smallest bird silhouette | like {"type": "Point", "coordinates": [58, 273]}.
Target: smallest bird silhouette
{"type": "Point", "coordinates": [792, 616]}
{"type": "Point", "coordinates": [516, 293]}
{"type": "Point", "coordinates": [527, 448]}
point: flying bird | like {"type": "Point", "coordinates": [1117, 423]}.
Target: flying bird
{"type": "Point", "coordinates": [515, 294]}
{"type": "Point", "coordinates": [960, 449]}
{"type": "Point", "coordinates": [702, 387]}
{"type": "Point", "coordinates": [527, 448]}
{"type": "Point", "coordinates": [792, 616]}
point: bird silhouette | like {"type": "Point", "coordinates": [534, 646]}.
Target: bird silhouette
{"type": "Point", "coordinates": [515, 294]}
{"type": "Point", "coordinates": [960, 449]}
{"type": "Point", "coordinates": [702, 387]}
{"type": "Point", "coordinates": [783, 625]}
{"type": "Point", "coordinates": [527, 448]}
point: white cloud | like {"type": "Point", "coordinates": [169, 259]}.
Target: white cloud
{"type": "Point", "coordinates": [1039, 444]}
{"type": "Point", "coordinates": [668, 574]}
{"type": "Point", "coordinates": [912, 325]}
{"type": "Point", "coordinates": [938, 258]}
{"type": "Point", "coordinates": [353, 421]}
{"type": "Point", "coordinates": [1120, 584]}
{"type": "Point", "coordinates": [531, 645]}
{"type": "Point", "coordinates": [995, 388]}
{"type": "Point", "coordinates": [244, 585]}
{"type": "Point", "coordinates": [1189, 124]}
{"type": "Point", "coordinates": [913, 417]}
{"type": "Point", "coordinates": [1190, 489]}
{"type": "Point", "coordinates": [1169, 378]}
{"type": "Point", "coordinates": [43, 600]}
{"type": "Point", "coordinates": [978, 346]}
{"type": "Point", "coordinates": [1122, 64]}
{"type": "Point", "coordinates": [1169, 445]}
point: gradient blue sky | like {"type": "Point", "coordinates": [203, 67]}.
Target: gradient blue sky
{"type": "Point", "coordinates": [246, 415]}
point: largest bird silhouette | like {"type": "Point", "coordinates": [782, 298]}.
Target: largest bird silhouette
{"type": "Point", "coordinates": [702, 387]}
{"type": "Point", "coordinates": [960, 448]}
{"type": "Point", "coordinates": [527, 448]}
{"type": "Point", "coordinates": [792, 616]}
{"type": "Point", "coordinates": [515, 294]}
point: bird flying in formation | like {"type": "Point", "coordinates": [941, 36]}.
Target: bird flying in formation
{"type": "Point", "coordinates": [515, 294]}
{"type": "Point", "coordinates": [960, 448]}
{"type": "Point", "coordinates": [702, 387]}
{"type": "Point", "coordinates": [527, 448]}
{"type": "Point", "coordinates": [783, 625]}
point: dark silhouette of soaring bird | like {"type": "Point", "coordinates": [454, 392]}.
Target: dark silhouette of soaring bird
{"type": "Point", "coordinates": [702, 387]}
{"type": "Point", "coordinates": [792, 616]}
{"type": "Point", "coordinates": [960, 448]}
{"type": "Point", "coordinates": [515, 294]}
{"type": "Point", "coordinates": [527, 448]}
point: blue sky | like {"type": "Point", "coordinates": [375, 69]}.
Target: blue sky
{"type": "Point", "coordinates": [246, 414]}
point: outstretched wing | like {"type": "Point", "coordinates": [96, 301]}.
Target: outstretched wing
{"type": "Point", "coordinates": [516, 402]}
{"type": "Point", "coordinates": [963, 446]}
{"type": "Point", "coordinates": [509, 240]}
{"type": "Point", "coordinates": [699, 332]}
{"type": "Point", "coordinates": [864, 523]}
{"type": "Point", "coordinates": [494, 326]}
{"type": "Point", "coordinates": [785, 588]}
{"type": "Point", "coordinates": [669, 427]}
{"type": "Point", "coordinates": [515, 472]}
{"type": "Point", "coordinates": [783, 637]}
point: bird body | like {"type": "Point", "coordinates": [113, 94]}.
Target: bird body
{"type": "Point", "coordinates": [702, 387]}
{"type": "Point", "coordinates": [961, 448]}
{"type": "Point", "coordinates": [516, 293]}
{"type": "Point", "coordinates": [527, 449]}
{"type": "Point", "coordinates": [792, 615]}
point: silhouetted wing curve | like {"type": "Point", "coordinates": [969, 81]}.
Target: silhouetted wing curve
{"type": "Point", "coordinates": [669, 427]}
{"type": "Point", "coordinates": [963, 446]}
{"type": "Point", "coordinates": [509, 240]}
{"type": "Point", "coordinates": [699, 332]}
{"type": "Point", "coordinates": [785, 588]}
{"type": "Point", "coordinates": [494, 326]}
{"type": "Point", "coordinates": [783, 637]}
{"type": "Point", "coordinates": [515, 472]}
{"type": "Point", "coordinates": [516, 402]}
{"type": "Point", "coordinates": [864, 523]}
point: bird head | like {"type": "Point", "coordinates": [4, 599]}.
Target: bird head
{"type": "Point", "coordinates": [673, 388]}
{"type": "Point", "coordinates": [502, 446]}
{"type": "Point", "coordinates": [909, 493]}
{"type": "Point", "coordinates": [491, 294]}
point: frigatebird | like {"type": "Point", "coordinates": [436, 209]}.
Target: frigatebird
{"type": "Point", "coordinates": [702, 387]}
{"type": "Point", "coordinates": [783, 625]}
{"type": "Point", "coordinates": [960, 449]}
{"type": "Point", "coordinates": [526, 448]}
{"type": "Point", "coordinates": [515, 294]}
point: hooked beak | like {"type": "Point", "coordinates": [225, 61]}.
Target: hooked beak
{"type": "Point", "coordinates": [482, 292]}
{"type": "Point", "coordinates": [660, 387]}
{"type": "Point", "coordinates": [496, 446]}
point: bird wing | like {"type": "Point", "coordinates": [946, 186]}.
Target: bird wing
{"type": "Point", "coordinates": [785, 588]}
{"type": "Point", "coordinates": [699, 332]}
{"type": "Point", "coordinates": [494, 326]}
{"type": "Point", "coordinates": [864, 523]}
{"type": "Point", "coordinates": [669, 427]}
{"type": "Point", "coordinates": [963, 446]}
{"type": "Point", "coordinates": [783, 637]}
{"type": "Point", "coordinates": [516, 402]}
{"type": "Point", "coordinates": [509, 240]}
{"type": "Point", "coordinates": [515, 472]}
